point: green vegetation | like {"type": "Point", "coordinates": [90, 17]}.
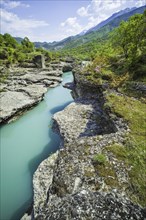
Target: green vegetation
{"type": "Point", "coordinates": [130, 36]}
{"type": "Point", "coordinates": [12, 52]}
{"type": "Point", "coordinates": [95, 34]}
{"type": "Point", "coordinates": [105, 170]}
{"type": "Point", "coordinates": [20, 54]}
{"type": "Point", "coordinates": [132, 152]}
{"type": "Point", "coordinates": [100, 159]}
{"type": "Point", "coordinates": [119, 60]}
{"type": "Point", "coordinates": [120, 57]}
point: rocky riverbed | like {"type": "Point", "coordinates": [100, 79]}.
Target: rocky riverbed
{"type": "Point", "coordinates": [25, 87]}
{"type": "Point", "coordinates": [72, 184]}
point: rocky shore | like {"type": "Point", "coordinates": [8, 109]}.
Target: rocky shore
{"type": "Point", "coordinates": [78, 182]}
{"type": "Point", "coordinates": [26, 86]}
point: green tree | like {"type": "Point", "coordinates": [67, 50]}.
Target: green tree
{"type": "Point", "coordinates": [130, 37]}
{"type": "Point", "coordinates": [9, 41]}
{"type": "Point", "coordinates": [1, 40]}
{"type": "Point", "coordinates": [143, 33]}
{"type": "Point", "coordinates": [27, 45]}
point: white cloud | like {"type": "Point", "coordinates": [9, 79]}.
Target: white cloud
{"type": "Point", "coordinates": [110, 6]}
{"type": "Point", "coordinates": [83, 12]}
{"type": "Point", "coordinates": [7, 4]}
{"type": "Point", "coordinates": [140, 3]}
{"type": "Point", "coordinates": [99, 10]}
{"type": "Point", "coordinates": [69, 21]}
{"type": "Point", "coordinates": [85, 18]}
{"type": "Point", "coordinates": [71, 26]}
{"type": "Point", "coordinates": [11, 23]}
{"type": "Point", "coordinates": [94, 13]}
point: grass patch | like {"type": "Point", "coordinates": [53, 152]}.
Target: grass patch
{"type": "Point", "coordinates": [105, 170]}
{"type": "Point", "coordinates": [100, 159]}
{"type": "Point", "coordinates": [129, 88]}
{"type": "Point", "coordinates": [133, 151]}
{"type": "Point", "coordinates": [118, 150]}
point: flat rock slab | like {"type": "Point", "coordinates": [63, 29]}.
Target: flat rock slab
{"type": "Point", "coordinates": [11, 102]}
{"type": "Point", "coordinates": [39, 77]}
{"type": "Point", "coordinates": [35, 91]}
{"type": "Point", "coordinates": [69, 119]}
{"type": "Point", "coordinates": [33, 77]}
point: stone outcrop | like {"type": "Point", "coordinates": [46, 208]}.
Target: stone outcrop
{"type": "Point", "coordinates": [39, 61]}
{"type": "Point", "coordinates": [42, 186]}
{"type": "Point", "coordinates": [86, 204]}
{"type": "Point", "coordinates": [67, 68]}
{"type": "Point", "coordinates": [68, 185]}
{"type": "Point", "coordinates": [25, 87]}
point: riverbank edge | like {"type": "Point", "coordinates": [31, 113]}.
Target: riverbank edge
{"type": "Point", "coordinates": [15, 113]}
{"type": "Point", "coordinates": [53, 182]}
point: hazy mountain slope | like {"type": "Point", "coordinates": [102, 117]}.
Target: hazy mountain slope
{"type": "Point", "coordinates": [99, 31]}
{"type": "Point", "coordinates": [103, 31]}
{"type": "Point", "coordinates": [18, 39]}
{"type": "Point", "coordinates": [103, 23]}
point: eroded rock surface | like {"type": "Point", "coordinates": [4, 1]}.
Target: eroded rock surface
{"type": "Point", "coordinates": [89, 205]}
{"type": "Point", "coordinates": [26, 87]}
{"type": "Point", "coordinates": [42, 181]}
{"type": "Point", "coordinates": [75, 188]}
{"type": "Point", "coordinates": [12, 101]}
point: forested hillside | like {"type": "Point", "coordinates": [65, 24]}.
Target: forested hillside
{"type": "Point", "coordinates": [117, 52]}
{"type": "Point", "coordinates": [98, 32]}
{"type": "Point", "coordinates": [121, 54]}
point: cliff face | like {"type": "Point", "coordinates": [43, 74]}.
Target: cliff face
{"type": "Point", "coordinates": [83, 180]}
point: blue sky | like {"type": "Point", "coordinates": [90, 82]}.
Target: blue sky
{"type": "Point", "coordinates": [53, 20]}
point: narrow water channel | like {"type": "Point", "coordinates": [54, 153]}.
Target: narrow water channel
{"type": "Point", "coordinates": [23, 145]}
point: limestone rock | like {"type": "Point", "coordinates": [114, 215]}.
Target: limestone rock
{"type": "Point", "coordinates": [26, 217]}
{"type": "Point", "coordinates": [34, 91]}
{"type": "Point", "coordinates": [86, 204]}
{"type": "Point", "coordinates": [25, 87]}
{"type": "Point", "coordinates": [39, 61]}
{"type": "Point", "coordinates": [11, 102]}
{"type": "Point", "coordinates": [68, 184]}
{"type": "Point", "coordinates": [42, 181]}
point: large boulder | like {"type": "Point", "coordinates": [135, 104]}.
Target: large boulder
{"type": "Point", "coordinates": [39, 61]}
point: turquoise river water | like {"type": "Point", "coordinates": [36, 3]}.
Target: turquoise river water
{"type": "Point", "coordinates": [23, 145]}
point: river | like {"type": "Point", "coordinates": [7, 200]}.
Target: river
{"type": "Point", "coordinates": [23, 145]}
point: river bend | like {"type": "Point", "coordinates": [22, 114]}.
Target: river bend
{"type": "Point", "coordinates": [23, 145]}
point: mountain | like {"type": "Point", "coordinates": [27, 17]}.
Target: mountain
{"type": "Point", "coordinates": [115, 15]}
{"type": "Point", "coordinates": [103, 31]}
{"type": "Point", "coordinates": [55, 45]}
{"type": "Point", "coordinates": [97, 32]}
{"type": "Point", "coordinates": [18, 39]}
{"type": "Point", "coordinates": [44, 44]}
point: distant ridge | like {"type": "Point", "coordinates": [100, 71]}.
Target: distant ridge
{"type": "Point", "coordinates": [98, 31]}
{"type": "Point", "coordinates": [115, 15]}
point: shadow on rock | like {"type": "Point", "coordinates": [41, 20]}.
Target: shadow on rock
{"type": "Point", "coordinates": [59, 108]}
{"type": "Point", "coordinates": [99, 122]}
{"type": "Point", "coordinates": [48, 149]}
